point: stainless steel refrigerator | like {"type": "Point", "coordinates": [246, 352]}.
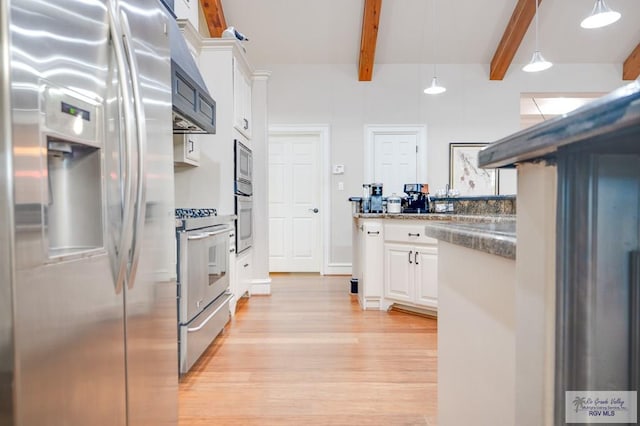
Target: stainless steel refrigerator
{"type": "Point", "coordinates": [87, 271]}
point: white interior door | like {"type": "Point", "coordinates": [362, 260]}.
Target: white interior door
{"type": "Point", "coordinates": [395, 155]}
{"type": "Point", "coordinates": [395, 161]}
{"type": "Point", "coordinates": [294, 202]}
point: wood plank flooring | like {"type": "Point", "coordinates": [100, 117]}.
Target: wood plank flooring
{"type": "Point", "coordinates": [308, 355]}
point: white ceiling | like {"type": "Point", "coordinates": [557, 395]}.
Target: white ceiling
{"type": "Point", "coordinates": [466, 31]}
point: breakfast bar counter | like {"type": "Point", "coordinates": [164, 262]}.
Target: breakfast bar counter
{"type": "Point", "coordinates": [493, 234]}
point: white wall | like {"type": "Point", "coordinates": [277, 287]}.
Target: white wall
{"type": "Point", "coordinates": [474, 109]}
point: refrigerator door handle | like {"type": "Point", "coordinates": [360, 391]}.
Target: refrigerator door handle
{"type": "Point", "coordinates": [126, 235]}
{"type": "Point", "coordinates": [141, 129]}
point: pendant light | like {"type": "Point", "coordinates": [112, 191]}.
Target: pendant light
{"type": "Point", "coordinates": [537, 63]}
{"type": "Point", "coordinates": [600, 16]}
{"type": "Point", "coordinates": [434, 88]}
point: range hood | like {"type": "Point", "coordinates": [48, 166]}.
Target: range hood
{"type": "Point", "coordinates": [194, 110]}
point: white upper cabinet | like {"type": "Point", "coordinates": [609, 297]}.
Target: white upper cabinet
{"type": "Point", "coordinates": [241, 99]}
{"type": "Point", "coordinates": [188, 9]}
{"type": "Point", "coordinates": [186, 149]}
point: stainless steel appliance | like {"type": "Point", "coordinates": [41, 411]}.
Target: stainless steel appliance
{"type": "Point", "coordinates": [244, 223]}
{"type": "Point", "coordinates": [376, 198]}
{"type": "Point", "coordinates": [244, 197]}
{"type": "Point", "coordinates": [203, 281]}
{"type": "Point", "coordinates": [418, 200]}
{"type": "Point", "coordinates": [243, 169]}
{"type": "Point", "coordinates": [89, 335]}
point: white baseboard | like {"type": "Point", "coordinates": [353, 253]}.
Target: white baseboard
{"type": "Point", "coordinates": [261, 286]}
{"type": "Point", "coordinates": [338, 269]}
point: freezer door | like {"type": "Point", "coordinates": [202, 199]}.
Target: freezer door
{"type": "Point", "coordinates": [69, 322]}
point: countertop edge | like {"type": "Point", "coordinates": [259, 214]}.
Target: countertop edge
{"type": "Point", "coordinates": [436, 217]}
{"type": "Point", "coordinates": [487, 242]}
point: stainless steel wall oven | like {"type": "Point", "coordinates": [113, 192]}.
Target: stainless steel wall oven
{"type": "Point", "coordinates": [203, 281]}
{"type": "Point", "coordinates": [244, 197]}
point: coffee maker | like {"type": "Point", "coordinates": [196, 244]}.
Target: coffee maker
{"type": "Point", "coordinates": [417, 200]}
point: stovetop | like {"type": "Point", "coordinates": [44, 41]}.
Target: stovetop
{"type": "Point", "coordinates": [191, 213]}
{"type": "Point", "coordinates": [192, 219]}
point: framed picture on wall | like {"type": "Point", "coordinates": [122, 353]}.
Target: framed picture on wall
{"type": "Point", "coordinates": [464, 174]}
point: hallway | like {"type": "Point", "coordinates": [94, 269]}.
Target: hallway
{"type": "Point", "coordinates": [308, 355]}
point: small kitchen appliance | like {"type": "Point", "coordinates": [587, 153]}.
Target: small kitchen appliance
{"type": "Point", "coordinates": [417, 200]}
{"type": "Point", "coordinates": [394, 204]}
{"type": "Point", "coordinates": [376, 198]}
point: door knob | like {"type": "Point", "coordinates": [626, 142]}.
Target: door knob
{"type": "Point", "coordinates": [314, 210]}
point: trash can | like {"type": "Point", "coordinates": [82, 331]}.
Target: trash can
{"type": "Point", "coordinates": [354, 286]}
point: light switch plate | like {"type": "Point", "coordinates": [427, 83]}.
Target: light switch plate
{"type": "Point", "coordinates": [338, 169]}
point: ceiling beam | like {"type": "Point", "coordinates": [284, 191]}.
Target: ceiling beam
{"type": "Point", "coordinates": [215, 17]}
{"type": "Point", "coordinates": [631, 66]}
{"type": "Point", "coordinates": [517, 27]}
{"type": "Point", "coordinates": [370, 20]}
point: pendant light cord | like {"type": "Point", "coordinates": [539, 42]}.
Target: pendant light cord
{"type": "Point", "coordinates": [536, 1]}
{"type": "Point", "coordinates": [433, 40]}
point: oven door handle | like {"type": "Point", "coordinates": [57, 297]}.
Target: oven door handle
{"type": "Point", "coordinates": [218, 232]}
{"type": "Point", "coordinates": [207, 234]}
{"type": "Point", "coordinates": [211, 315]}
{"type": "Point", "coordinates": [197, 237]}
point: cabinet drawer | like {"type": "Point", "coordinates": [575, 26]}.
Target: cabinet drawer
{"type": "Point", "coordinates": [407, 233]}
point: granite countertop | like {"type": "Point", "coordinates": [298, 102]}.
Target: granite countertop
{"type": "Point", "coordinates": [437, 217]}
{"type": "Point", "coordinates": [616, 113]}
{"type": "Point", "coordinates": [493, 234]}
{"type": "Point", "coordinates": [498, 238]}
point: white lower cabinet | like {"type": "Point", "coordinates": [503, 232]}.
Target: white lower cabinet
{"type": "Point", "coordinates": [427, 277]}
{"type": "Point", "coordinates": [410, 269]}
{"type": "Point", "coordinates": [369, 246]}
{"type": "Point", "coordinates": [244, 273]}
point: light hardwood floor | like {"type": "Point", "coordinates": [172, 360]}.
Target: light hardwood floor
{"type": "Point", "coordinates": [308, 355]}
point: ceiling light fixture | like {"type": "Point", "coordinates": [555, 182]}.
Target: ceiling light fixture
{"type": "Point", "coordinates": [435, 88]}
{"type": "Point", "coordinates": [600, 16]}
{"type": "Point", "coordinates": [537, 63]}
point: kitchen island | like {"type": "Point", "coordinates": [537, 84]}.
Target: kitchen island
{"type": "Point", "coordinates": [461, 268]}
{"type": "Point", "coordinates": [571, 319]}
{"type": "Point", "coordinates": [396, 256]}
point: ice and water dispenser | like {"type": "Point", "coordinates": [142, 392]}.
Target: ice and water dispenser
{"type": "Point", "coordinates": [73, 212]}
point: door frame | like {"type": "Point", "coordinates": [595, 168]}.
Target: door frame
{"type": "Point", "coordinates": [323, 132]}
{"type": "Point", "coordinates": [370, 132]}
